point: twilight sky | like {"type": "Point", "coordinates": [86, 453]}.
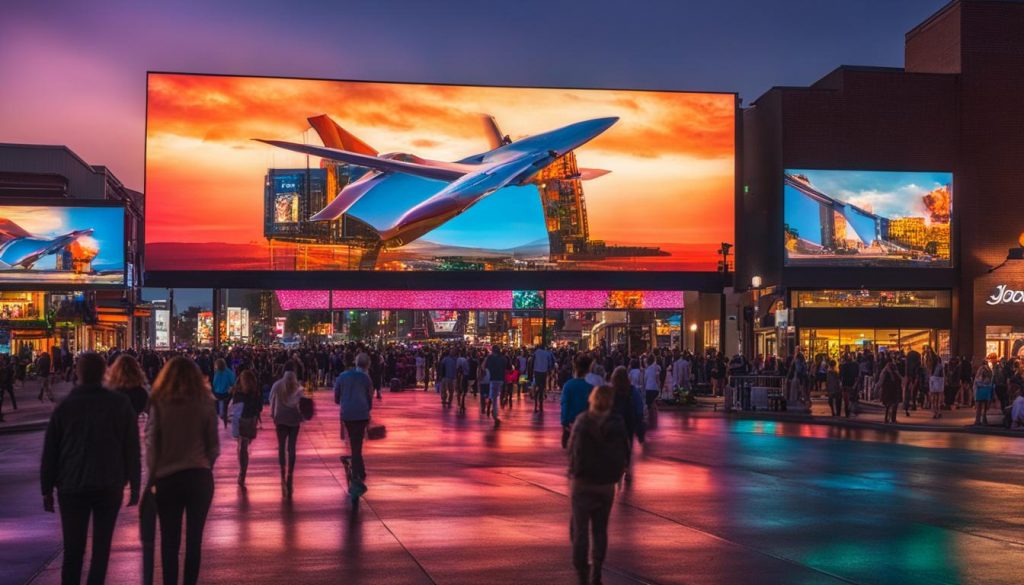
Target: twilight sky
{"type": "Point", "coordinates": [74, 72]}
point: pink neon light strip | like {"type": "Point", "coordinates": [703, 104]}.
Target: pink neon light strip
{"type": "Point", "coordinates": [467, 300]}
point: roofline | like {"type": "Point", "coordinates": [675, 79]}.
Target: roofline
{"type": "Point", "coordinates": [856, 68]}
{"type": "Point", "coordinates": [931, 19]}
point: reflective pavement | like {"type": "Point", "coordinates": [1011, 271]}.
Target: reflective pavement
{"type": "Point", "coordinates": [454, 499]}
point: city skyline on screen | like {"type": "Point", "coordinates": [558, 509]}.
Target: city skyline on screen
{"type": "Point", "coordinates": [864, 218]}
{"type": "Point", "coordinates": [669, 190]}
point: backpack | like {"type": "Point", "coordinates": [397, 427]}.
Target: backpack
{"type": "Point", "coordinates": [600, 451]}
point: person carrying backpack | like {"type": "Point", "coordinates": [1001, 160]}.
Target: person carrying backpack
{"type": "Point", "coordinates": [598, 451]}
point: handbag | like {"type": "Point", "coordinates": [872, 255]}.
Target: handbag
{"type": "Point", "coordinates": [983, 392]}
{"type": "Point", "coordinates": [247, 427]}
{"type": "Point", "coordinates": [307, 408]}
{"type": "Point", "coordinates": [376, 432]}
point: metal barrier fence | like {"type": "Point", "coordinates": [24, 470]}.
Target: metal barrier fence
{"type": "Point", "coordinates": [755, 393]}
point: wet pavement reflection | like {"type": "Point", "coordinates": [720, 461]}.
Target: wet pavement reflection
{"type": "Point", "coordinates": [455, 499]}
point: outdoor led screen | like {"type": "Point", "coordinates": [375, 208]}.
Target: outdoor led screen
{"type": "Point", "coordinates": [48, 245]}
{"type": "Point", "coordinates": [284, 175]}
{"type": "Point", "coordinates": [867, 218]}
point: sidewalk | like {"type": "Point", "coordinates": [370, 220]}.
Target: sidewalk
{"type": "Point", "coordinates": [872, 415]}
{"type": "Point", "coordinates": [31, 414]}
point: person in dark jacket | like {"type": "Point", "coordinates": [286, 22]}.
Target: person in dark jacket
{"type": "Point", "coordinates": [43, 371]}
{"type": "Point", "coordinates": [126, 377]}
{"type": "Point", "coordinates": [629, 404]}
{"type": "Point", "coordinates": [90, 452]}
{"type": "Point", "coordinates": [246, 406]}
{"type": "Point", "coordinates": [598, 450]}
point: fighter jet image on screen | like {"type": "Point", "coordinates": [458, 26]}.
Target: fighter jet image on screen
{"type": "Point", "coordinates": [21, 249]}
{"type": "Point", "coordinates": [508, 163]}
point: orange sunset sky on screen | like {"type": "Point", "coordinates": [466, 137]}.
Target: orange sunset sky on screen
{"type": "Point", "coordinates": [671, 154]}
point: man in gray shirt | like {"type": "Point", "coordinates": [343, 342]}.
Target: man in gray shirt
{"type": "Point", "coordinates": [353, 390]}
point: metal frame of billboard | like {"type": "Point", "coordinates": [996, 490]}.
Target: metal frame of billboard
{"type": "Point", "coordinates": [700, 281]}
{"type": "Point", "coordinates": [84, 203]}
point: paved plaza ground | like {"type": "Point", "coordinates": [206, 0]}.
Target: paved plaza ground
{"type": "Point", "coordinates": [454, 499]}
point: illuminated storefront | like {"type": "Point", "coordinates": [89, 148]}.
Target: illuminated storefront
{"type": "Point", "coordinates": [833, 322]}
{"type": "Point", "coordinates": [999, 308]}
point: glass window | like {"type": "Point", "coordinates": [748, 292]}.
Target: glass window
{"type": "Point", "coordinates": [872, 299]}
{"type": "Point", "coordinates": [711, 333]}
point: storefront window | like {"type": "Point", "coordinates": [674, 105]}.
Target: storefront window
{"type": "Point", "coordinates": [1004, 341]}
{"type": "Point", "coordinates": [21, 305]}
{"type": "Point", "coordinates": [872, 299]}
{"type": "Point", "coordinates": [835, 342]}
{"type": "Point", "coordinates": [711, 333]}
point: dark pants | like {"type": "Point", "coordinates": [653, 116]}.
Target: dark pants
{"type": "Point", "coordinates": [356, 430]}
{"type": "Point", "coordinates": [187, 492]}
{"type": "Point", "coordinates": [541, 379]}
{"type": "Point", "coordinates": [75, 510]}
{"type": "Point", "coordinates": [10, 391]}
{"type": "Point", "coordinates": [591, 507]}
{"type": "Point", "coordinates": [286, 439]}
{"type": "Point", "coordinates": [243, 458]}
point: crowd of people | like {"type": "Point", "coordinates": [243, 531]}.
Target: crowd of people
{"type": "Point", "coordinates": [606, 398]}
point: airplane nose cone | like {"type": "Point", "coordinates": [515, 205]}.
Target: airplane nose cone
{"type": "Point", "coordinates": [599, 125]}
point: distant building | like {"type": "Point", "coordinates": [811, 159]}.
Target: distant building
{"type": "Point", "coordinates": [81, 319]}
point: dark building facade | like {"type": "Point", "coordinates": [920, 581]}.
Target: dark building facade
{"type": "Point", "coordinates": [950, 109]}
{"type": "Point", "coordinates": [77, 318]}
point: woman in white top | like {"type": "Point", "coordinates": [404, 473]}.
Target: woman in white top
{"type": "Point", "coordinates": [636, 375]}
{"type": "Point", "coordinates": [596, 375]}
{"type": "Point", "coordinates": [652, 381]}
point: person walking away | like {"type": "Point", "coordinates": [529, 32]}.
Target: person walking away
{"type": "Point", "coordinates": [43, 372]}
{"type": "Point", "coordinates": [912, 382]}
{"type": "Point", "coordinates": [598, 451]}
{"type": "Point", "coordinates": [6, 383]}
{"type": "Point", "coordinates": [448, 371]}
{"type": "Point", "coordinates": [891, 384]}
{"type": "Point", "coordinates": [181, 447]}
{"type": "Point", "coordinates": [353, 391]}
{"type": "Point", "coordinates": [652, 387]}
{"type": "Point", "coordinates": [543, 363]}
{"type": "Point", "coordinates": [998, 380]}
{"type": "Point", "coordinates": [127, 377]}
{"type": "Point", "coordinates": [849, 372]}
{"type": "Point", "coordinates": [223, 380]}
{"type": "Point", "coordinates": [629, 404]}
{"type": "Point", "coordinates": [834, 388]}
{"type": "Point", "coordinates": [495, 364]}
{"type": "Point", "coordinates": [246, 406]}
{"type": "Point", "coordinates": [575, 394]}
{"type": "Point", "coordinates": [983, 390]}
{"type": "Point", "coordinates": [284, 411]}
{"type": "Point", "coordinates": [90, 451]}
{"type": "Point", "coordinates": [936, 385]}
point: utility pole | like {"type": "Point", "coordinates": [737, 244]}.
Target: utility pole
{"type": "Point", "coordinates": [723, 268]}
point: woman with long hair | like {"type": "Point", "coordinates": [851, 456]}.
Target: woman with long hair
{"type": "Point", "coordinates": [629, 404]}
{"type": "Point", "coordinates": [246, 405]}
{"type": "Point", "coordinates": [126, 376]}
{"type": "Point", "coordinates": [181, 448]}
{"type": "Point", "coordinates": [284, 410]}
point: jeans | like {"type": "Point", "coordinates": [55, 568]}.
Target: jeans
{"type": "Point", "coordinates": [188, 492]}
{"type": "Point", "coordinates": [223, 406]}
{"type": "Point", "coordinates": [591, 507]}
{"type": "Point", "coordinates": [286, 438]}
{"type": "Point", "coordinates": [356, 430]}
{"type": "Point", "coordinates": [494, 392]}
{"type": "Point", "coordinates": [75, 510]}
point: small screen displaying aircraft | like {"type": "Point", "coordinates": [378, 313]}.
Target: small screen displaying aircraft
{"type": "Point", "coordinates": [62, 245]}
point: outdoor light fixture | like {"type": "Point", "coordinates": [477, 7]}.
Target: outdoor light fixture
{"type": "Point", "coordinates": [693, 327]}
{"type": "Point", "coordinates": [755, 282]}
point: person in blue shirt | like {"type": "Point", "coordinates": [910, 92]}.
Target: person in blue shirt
{"type": "Point", "coordinates": [575, 395]}
{"type": "Point", "coordinates": [223, 381]}
{"type": "Point", "coordinates": [353, 390]}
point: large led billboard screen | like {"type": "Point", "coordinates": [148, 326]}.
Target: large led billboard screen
{"type": "Point", "coordinates": [868, 218]}
{"type": "Point", "coordinates": [61, 245]}
{"type": "Point", "coordinates": [272, 174]}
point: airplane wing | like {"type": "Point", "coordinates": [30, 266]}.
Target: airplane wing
{"type": "Point", "coordinates": [348, 197]}
{"type": "Point", "coordinates": [440, 172]}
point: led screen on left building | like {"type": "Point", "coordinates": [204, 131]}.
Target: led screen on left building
{"type": "Point", "coordinates": [48, 245]}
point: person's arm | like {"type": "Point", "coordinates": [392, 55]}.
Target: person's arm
{"type": "Point", "coordinates": [565, 406]}
{"type": "Point", "coordinates": [337, 390]}
{"type": "Point", "coordinates": [132, 452]}
{"type": "Point", "coordinates": [48, 467]}
{"type": "Point", "coordinates": [369, 395]}
{"type": "Point", "coordinates": [211, 439]}
{"type": "Point", "coordinates": [152, 438]}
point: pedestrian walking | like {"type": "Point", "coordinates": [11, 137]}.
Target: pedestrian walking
{"type": "Point", "coordinates": [983, 391]}
{"type": "Point", "coordinates": [43, 371]}
{"type": "Point", "coordinates": [127, 377]}
{"type": "Point", "coordinates": [90, 451]}
{"type": "Point", "coordinates": [353, 392]}
{"type": "Point", "coordinates": [543, 363]}
{"type": "Point", "coordinates": [629, 404]}
{"type": "Point", "coordinates": [575, 394]}
{"type": "Point", "coordinates": [284, 410]}
{"type": "Point", "coordinates": [496, 364]}
{"type": "Point", "coordinates": [223, 382]}
{"type": "Point", "coordinates": [598, 451]}
{"type": "Point", "coordinates": [246, 406]}
{"type": "Point", "coordinates": [891, 386]}
{"type": "Point", "coordinates": [181, 448]}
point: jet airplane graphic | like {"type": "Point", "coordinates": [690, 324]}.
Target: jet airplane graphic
{"type": "Point", "coordinates": [19, 248]}
{"type": "Point", "coordinates": [468, 180]}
